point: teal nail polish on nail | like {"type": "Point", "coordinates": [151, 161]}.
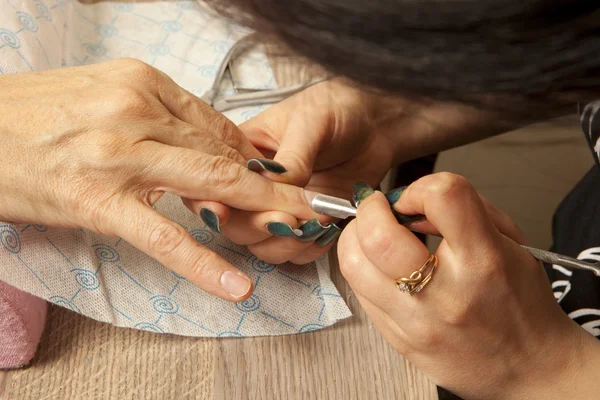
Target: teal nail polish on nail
{"type": "Point", "coordinates": [312, 230]}
{"type": "Point", "coordinates": [361, 191]}
{"type": "Point", "coordinates": [332, 234]}
{"type": "Point", "coordinates": [264, 164]}
{"type": "Point", "coordinates": [406, 219]}
{"type": "Point", "coordinates": [394, 195]}
{"type": "Point", "coordinates": [280, 229]}
{"type": "Point", "coordinates": [210, 219]}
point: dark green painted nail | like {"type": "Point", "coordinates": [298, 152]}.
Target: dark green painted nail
{"type": "Point", "coordinates": [394, 195]}
{"type": "Point", "coordinates": [312, 230]}
{"type": "Point", "coordinates": [406, 219]}
{"type": "Point", "coordinates": [280, 229]}
{"type": "Point", "coordinates": [264, 164]}
{"type": "Point", "coordinates": [361, 191]}
{"type": "Point", "coordinates": [210, 219]}
{"type": "Point", "coordinates": [332, 233]}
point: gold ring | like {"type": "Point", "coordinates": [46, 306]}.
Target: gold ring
{"type": "Point", "coordinates": [418, 279]}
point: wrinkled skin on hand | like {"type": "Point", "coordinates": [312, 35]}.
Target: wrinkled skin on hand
{"type": "Point", "coordinates": [95, 147]}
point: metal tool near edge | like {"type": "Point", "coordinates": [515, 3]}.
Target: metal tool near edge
{"type": "Point", "coordinates": [341, 208]}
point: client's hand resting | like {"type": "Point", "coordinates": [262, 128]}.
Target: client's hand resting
{"type": "Point", "coordinates": [97, 146]}
{"type": "Point", "coordinates": [487, 325]}
{"type": "Point", "coordinates": [327, 137]}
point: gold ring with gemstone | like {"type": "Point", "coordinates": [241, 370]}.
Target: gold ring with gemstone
{"type": "Point", "coordinates": [418, 279]}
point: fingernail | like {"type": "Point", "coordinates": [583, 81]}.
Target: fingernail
{"type": "Point", "coordinates": [264, 164]}
{"type": "Point", "coordinates": [281, 229]}
{"type": "Point", "coordinates": [394, 195]}
{"type": "Point", "coordinates": [361, 191]}
{"type": "Point", "coordinates": [309, 196]}
{"type": "Point", "coordinates": [236, 284]}
{"type": "Point", "coordinates": [210, 219]}
{"type": "Point", "coordinates": [312, 230]}
{"type": "Point", "coordinates": [332, 233]}
{"type": "Point", "coordinates": [407, 219]}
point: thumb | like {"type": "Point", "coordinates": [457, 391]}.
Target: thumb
{"type": "Point", "coordinates": [295, 133]}
{"type": "Point", "coordinates": [297, 153]}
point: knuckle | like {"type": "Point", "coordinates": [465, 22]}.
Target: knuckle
{"type": "Point", "coordinates": [127, 102]}
{"type": "Point", "coordinates": [165, 238]}
{"type": "Point", "coordinates": [491, 270]}
{"type": "Point", "coordinates": [137, 67]}
{"type": "Point", "coordinates": [226, 131]}
{"type": "Point", "coordinates": [427, 336]}
{"type": "Point", "coordinates": [201, 266]}
{"type": "Point", "coordinates": [225, 172]}
{"type": "Point", "coordinates": [231, 153]}
{"type": "Point", "coordinates": [378, 241]}
{"type": "Point", "coordinates": [350, 267]}
{"type": "Point", "coordinates": [459, 314]}
{"type": "Point", "coordinates": [446, 184]}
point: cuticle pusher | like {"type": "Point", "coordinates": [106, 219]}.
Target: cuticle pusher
{"type": "Point", "coordinates": [341, 208]}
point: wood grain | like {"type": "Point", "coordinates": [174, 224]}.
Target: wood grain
{"type": "Point", "coordinates": [79, 358]}
{"type": "Point", "coordinates": [4, 376]}
{"type": "Point", "coordinates": [347, 361]}
{"type": "Point", "coordinates": [83, 359]}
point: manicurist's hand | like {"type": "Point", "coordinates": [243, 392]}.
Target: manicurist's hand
{"type": "Point", "coordinates": [97, 146]}
{"type": "Point", "coordinates": [486, 326]}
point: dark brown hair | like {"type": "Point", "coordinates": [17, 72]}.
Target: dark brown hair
{"type": "Point", "coordinates": [459, 50]}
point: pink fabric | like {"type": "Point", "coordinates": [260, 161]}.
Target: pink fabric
{"type": "Point", "coordinates": [22, 319]}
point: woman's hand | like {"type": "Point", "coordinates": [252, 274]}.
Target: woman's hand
{"type": "Point", "coordinates": [96, 147]}
{"type": "Point", "coordinates": [327, 137]}
{"type": "Point", "coordinates": [487, 325]}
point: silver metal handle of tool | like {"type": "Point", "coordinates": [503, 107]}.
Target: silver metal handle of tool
{"type": "Point", "coordinates": [563, 261]}
{"type": "Point", "coordinates": [342, 208]}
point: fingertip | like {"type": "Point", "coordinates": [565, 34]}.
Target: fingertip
{"type": "Point", "coordinates": [264, 164]}
{"type": "Point", "coordinates": [311, 254]}
{"type": "Point", "coordinates": [211, 210]}
{"type": "Point", "coordinates": [375, 202]}
{"type": "Point", "coordinates": [237, 284]}
{"type": "Point", "coordinates": [210, 219]}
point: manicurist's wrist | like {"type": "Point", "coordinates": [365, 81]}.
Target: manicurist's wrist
{"type": "Point", "coordinates": [570, 369]}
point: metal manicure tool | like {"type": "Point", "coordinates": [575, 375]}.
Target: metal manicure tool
{"type": "Point", "coordinates": [341, 208]}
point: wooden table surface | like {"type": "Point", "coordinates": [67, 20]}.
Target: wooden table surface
{"type": "Point", "coordinates": [83, 359]}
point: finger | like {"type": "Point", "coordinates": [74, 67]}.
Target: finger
{"type": "Point", "coordinates": [172, 246]}
{"type": "Point", "coordinates": [503, 222]}
{"type": "Point", "coordinates": [278, 250]}
{"type": "Point", "coordinates": [364, 278]}
{"type": "Point", "coordinates": [500, 219]}
{"type": "Point", "coordinates": [189, 108]}
{"type": "Point", "coordinates": [194, 175]}
{"type": "Point", "coordinates": [184, 135]}
{"type": "Point", "coordinates": [388, 245]}
{"type": "Point", "coordinates": [214, 215]}
{"type": "Point", "coordinates": [453, 206]}
{"type": "Point", "coordinates": [299, 144]}
{"type": "Point", "coordinates": [309, 255]}
{"type": "Point", "coordinates": [388, 328]}
{"type": "Point", "coordinates": [251, 227]}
